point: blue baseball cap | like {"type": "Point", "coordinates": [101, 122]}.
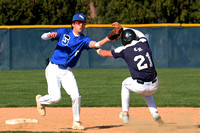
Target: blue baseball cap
{"type": "Point", "coordinates": [79, 16]}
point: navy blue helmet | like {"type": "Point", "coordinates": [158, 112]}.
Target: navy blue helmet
{"type": "Point", "coordinates": [128, 36]}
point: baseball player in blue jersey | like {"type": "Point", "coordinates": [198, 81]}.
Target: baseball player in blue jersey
{"type": "Point", "coordinates": [144, 81]}
{"type": "Point", "coordinates": [71, 42]}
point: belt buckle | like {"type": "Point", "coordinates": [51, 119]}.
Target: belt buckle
{"type": "Point", "coordinates": [140, 81]}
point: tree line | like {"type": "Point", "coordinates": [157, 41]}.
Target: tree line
{"type": "Point", "coordinates": [56, 12]}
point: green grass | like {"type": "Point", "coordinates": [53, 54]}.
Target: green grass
{"type": "Point", "coordinates": [101, 87]}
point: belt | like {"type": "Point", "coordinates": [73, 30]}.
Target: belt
{"type": "Point", "coordinates": [62, 66]}
{"type": "Point", "coordinates": [142, 82]}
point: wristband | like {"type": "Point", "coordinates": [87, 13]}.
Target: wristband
{"type": "Point", "coordinates": [44, 36]}
{"type": "Point", "coordinates": [97, 45]}
{"type": "Point", "coordinates": [97, 50]}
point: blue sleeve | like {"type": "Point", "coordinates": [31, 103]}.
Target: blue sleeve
{"type": "Point", "coordinates": [87, 42]}
{"type": "Point", "coordinates": [60, 32]}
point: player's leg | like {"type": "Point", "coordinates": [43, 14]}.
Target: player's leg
{"type": "Point", "coordinates": [54, 94]}
{"type": "Point", "coordinates": [70, 85]}
{"type": "Point", "coordinates": [129, 85]}
{"type": "Point", "coordinates": [76, 104]}
{"type": "Point", "coordinates": [153, 109]}
{"type": "Point", "coordinates": [52, 74]}
{"type": "Point", "coordinates": [125, 99]}
{"type": "Point", "coordinates": [151, 104]}
{"type": "Point", "coordinates": [152, 88]}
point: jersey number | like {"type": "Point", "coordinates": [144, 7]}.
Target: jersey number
{"type": "Point", "coordinates": [141, 59]}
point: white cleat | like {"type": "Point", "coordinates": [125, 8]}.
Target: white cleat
{"type": "Point", "coordinates": [40, 107]}
{"type": "Point", "coordinates": [158, 119]}
{"type": "Point", "coordinates": [156, 116]}
{"type": "Point", "coordinates": [124, 117]}
{"type": "Point", "coordinates": [77, 126]}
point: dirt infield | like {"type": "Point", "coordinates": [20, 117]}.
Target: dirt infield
{"type": "Point", "coordinates": [105, 120]}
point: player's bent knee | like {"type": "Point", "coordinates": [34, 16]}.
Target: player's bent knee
{"type": "Point", "coordinates": [75, 96]}
{"type": "Point", "coordinates": [56, 100]}
{"type": "Point", "coordinates": [147, 93]}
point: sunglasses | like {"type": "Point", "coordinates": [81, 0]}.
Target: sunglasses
{"type": "Point", "coordinates": [80, 22]}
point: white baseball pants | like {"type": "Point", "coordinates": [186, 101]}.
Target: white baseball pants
{"type": "Point", "coordinates": [57, 77]}
{"type": "Point", "coordinates": [146, 90]}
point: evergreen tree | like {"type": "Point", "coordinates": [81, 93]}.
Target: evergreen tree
{"type": "Point", "coordinates": [55, 12]}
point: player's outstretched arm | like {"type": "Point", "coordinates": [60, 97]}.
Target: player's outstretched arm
{"type": "Point", "coordinates": [104, 53]}
{"type": "Point", "coordinates": [94, 44]}
{"type": "Point", "coordinates": [49, 35]}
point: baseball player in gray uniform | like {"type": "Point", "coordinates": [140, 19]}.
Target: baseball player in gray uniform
{"type": "Point", "coordinates": [71, 42]}
{"type": "Point", "coordinates": [144, 81]}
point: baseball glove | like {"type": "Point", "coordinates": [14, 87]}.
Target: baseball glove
{"type": "Point", "coordinates": [115, 34]}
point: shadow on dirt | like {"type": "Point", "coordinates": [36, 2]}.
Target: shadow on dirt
{"type": "Point", "coordinates": [99, 127]}
{"type": "Point", "coordinates": [103, 127]}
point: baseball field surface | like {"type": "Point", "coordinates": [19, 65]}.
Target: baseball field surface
{"type": "Point", "coordinates": [177, 100]}
{"type": "Point", "coordinates": [104, 120]}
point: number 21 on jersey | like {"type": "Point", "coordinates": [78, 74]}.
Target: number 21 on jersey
{"type": "Point", "coordinates": [141, 65]}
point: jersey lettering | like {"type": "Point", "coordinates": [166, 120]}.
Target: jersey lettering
{"type": "Point", "coordinates": [141, 59]}
{"type": "Point", "coordinates": [65, 40]}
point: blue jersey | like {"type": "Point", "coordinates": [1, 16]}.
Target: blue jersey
{"type": "Point", "coordinates": [69, 47]}
{"type": "Point", "coordinates": [138, 57]}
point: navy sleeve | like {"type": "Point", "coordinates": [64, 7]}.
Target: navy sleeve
{"type": "Point", "coordinates": [118, 52]}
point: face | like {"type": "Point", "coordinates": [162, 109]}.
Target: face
{"type": "Point", "coordinates": [78, 27]}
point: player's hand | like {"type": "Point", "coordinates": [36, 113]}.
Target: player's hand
{"type": "Point", "coordinates": [107, 39]}
{"type": "Point", "coordinates": [52, 35]}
